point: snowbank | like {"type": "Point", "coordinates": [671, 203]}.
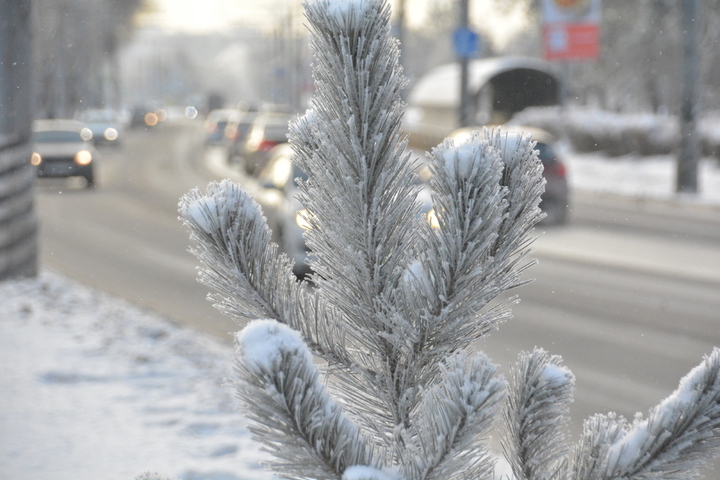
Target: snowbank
{"type": "Point", "coordinates": [94, 387]}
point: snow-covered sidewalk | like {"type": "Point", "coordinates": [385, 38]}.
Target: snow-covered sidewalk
{"type": "Point", "coordinates": [96, 388]}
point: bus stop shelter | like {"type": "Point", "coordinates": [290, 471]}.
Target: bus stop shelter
{"type": "Point", "coordinates": [498, 88]}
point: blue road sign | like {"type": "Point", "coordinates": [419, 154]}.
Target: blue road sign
{"type": "Point", "coordinates": [466, 43]}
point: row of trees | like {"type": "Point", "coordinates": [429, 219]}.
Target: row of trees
{"type": "Point", "coordinates": [55, 57]}
{"type": "Point", "coordinates": [75, 45]}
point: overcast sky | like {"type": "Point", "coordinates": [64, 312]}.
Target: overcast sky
{"type": "Point", "coordinates": [206, 16]}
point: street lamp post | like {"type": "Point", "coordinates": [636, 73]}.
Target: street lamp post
{"type": "Point", "coordinates": [464, 107]}
{"type": "Point", "coordinates": [689, 151]}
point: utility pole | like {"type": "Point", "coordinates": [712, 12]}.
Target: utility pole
{"type": "Point", "coordinates": [464, 107]}
{"type": "Point", "coordinates": [689, 151]}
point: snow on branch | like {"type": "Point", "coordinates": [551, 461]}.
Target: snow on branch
{"type": "Point", "coordinates": [449, 426]}
{"type": "Point", "coordinates": [252, 280]}
{"type": "Point", "coordinates": [240, 270]}
{"type": "Point", "coordinates": [536, 417]}
{"type": "Point", "coordinates": [361, 189]}
{"type": "Point", "coordinates": [350, 143]}
{"type": "Point", "coordinates": [678, 436]}
{"type": "Point", "coordinates": [464, 265]}
{"type": "Point", "coordinates": [292, 414]}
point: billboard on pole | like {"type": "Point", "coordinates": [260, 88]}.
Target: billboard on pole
{"type": "Point", "coordinates": [571, 29]}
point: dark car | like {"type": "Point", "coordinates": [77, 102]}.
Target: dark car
{"type": "Point", "coordinates": [268, 130]}
{"type": "Point", "coordinates": [104, 124]}
{"type": "Point", "coordinates": [236, 133]}
{"type": "Point", "coordinates": [63, 148]}
{"type": "Point", "coordinates": [555, 201]}
{"type": "Point", "coordinates": [215, 124]}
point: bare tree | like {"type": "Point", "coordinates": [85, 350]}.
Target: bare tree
{"type": "Point", "coordinates": [76, 42]}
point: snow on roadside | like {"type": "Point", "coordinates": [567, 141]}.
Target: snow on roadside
{"type": "Point", "coordinates": [94, 387]}
{"type": "Point", "coordinates": [651, 177]}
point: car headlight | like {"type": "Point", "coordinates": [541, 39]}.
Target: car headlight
{"type": "Point", "coordinates": [35, 159]}
{"type": "Point", "coordinates": [83, 157]}
{"type": "Point", "coordinates": [110, 134]}
{"type": "Point", "coordinates": [86, 134]}
{"type": "Point", "coordinates": [151, 119]}
{"type": "Point", "coordinates": [433, 219]}
{"type": "Point", "coordinates": [301, 220]}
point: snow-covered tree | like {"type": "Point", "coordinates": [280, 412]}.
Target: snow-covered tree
{"type": "Point", "coordinates": [368, 371]}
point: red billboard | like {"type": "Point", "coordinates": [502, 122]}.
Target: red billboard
{"type": "Point", "coordinates": [571, 29]}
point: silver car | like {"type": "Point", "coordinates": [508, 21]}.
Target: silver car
{"type": "Point", "coordinates": [63, 148]}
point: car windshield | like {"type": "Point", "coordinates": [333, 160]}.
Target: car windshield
{"type": "Point", "coordinates": [57, 136]}
{"type": "Point", "coordinates": [98, 116]}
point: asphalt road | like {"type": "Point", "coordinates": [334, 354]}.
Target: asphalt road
{"type": "Point", "coordinates": [628, 292]}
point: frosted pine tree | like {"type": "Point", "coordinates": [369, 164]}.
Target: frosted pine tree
{"type": "Point", "coordinates": [368, 371]}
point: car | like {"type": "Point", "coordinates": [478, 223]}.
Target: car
{"type": "Point", "coordinates": [236, 133]}
{"type": "Point", "coordinates": [105, 125]}
{"type": "Point", "coordinates": [215, 124]}
{"type": "Point", "coordinates": [275, 190]}
{"type": "Point", "coordinates": [268, 130]}
{"type": "Point", "coordinates": [63, 148]}
{"type": "Point", "coordinates": [143, 116]}
{"type": "Point", "coordinates": [555, 201]}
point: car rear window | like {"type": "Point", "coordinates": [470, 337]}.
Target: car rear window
{"type": "Point", "coordinates": [545, 152]}
{"type": "Point", "coordinates": [276, 132]}
{"type": "Point", "coordinates": [57, 136]}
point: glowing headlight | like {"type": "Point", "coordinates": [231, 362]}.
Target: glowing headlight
{"type": "Point", "coordinates": [151, 119]}
{"type": "Point", "coordinates": [86, 134]}
{"type": "Point", "coordinates": [35, 159]}
{"type": "Point", "coordinates": [301, 220]}
{"type": "Point", "coordinates": [191, 112]}
{"type": "Point", "coordinates": [110, 134]}
{"type": "Point", "coordinates": [433, 219]}
{"type": "Point", "coordinates": [83, 157]}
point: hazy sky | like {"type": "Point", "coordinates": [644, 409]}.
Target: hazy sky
{"type": "Point", "coordinates": [204, 16]}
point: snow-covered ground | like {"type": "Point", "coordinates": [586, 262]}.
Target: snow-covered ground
{"type": "Point", "coordinates": [646, 177]}
{"type": "Point", "coordinates": [92, 387]}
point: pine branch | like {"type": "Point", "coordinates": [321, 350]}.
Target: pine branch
{"type": "Point", "coordinates": [231, 238]}
{"type": "Point", "coordinates": [446, 440]}
{"type": "Point", "coordinates": [292, 415]}
{"type": "Point", "coordinates": [360, 190]}
{"type": "Point", "coordinates": [536, 417]}
{"type": "Point", "coordinates": [679, 435]}
{"type": "Point", "coordinates": [463, 266]}
{"type": "Point", "coordinates": [599, 433]}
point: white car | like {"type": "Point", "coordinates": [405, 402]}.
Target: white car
{"type": "Point", "coordinates": [62, 148]}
